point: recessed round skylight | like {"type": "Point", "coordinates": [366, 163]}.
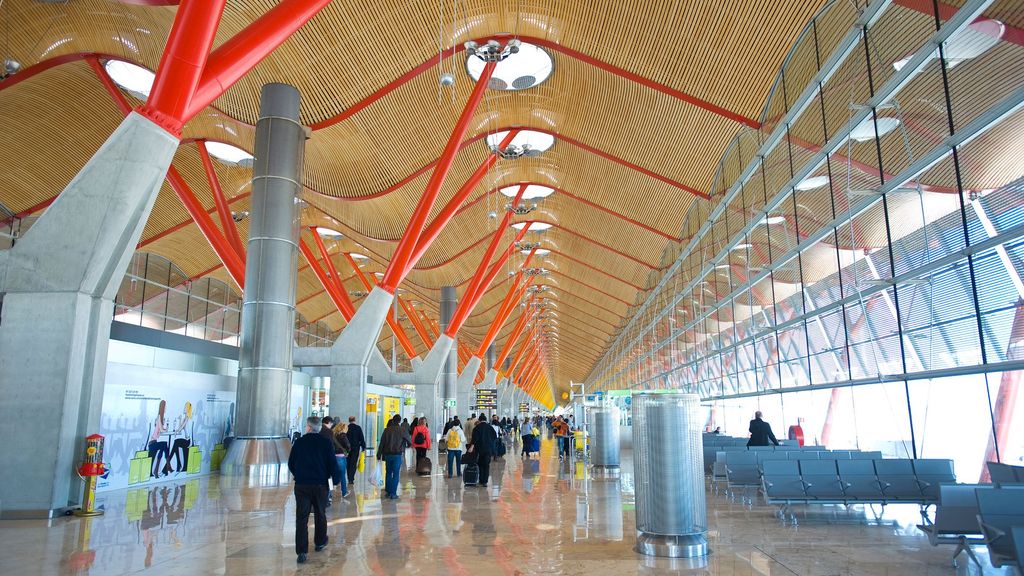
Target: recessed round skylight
{"type": "Point", "coordinates": [328, 232]}
{"type": "Point", "coordinates": [358, 256]}
{"type": "Point", "coordinates": [132, 78]}
{"type": "Point", "coordinates": [532, 192]}
{"type": "Point", "coordinates": [228, 153]}
{"type": "Point", "coordinates": [527, 68]}
{"type": "Point", "coordinates": [539, 252]}
{"type": "Point", "coordinates": [866, 130]}
{"type": "Point", "coordinates": [534, 227]}
{"type": "Point", "coordinates": [812, 183]}
{"type": "Point", "coordinates": [534, 141]}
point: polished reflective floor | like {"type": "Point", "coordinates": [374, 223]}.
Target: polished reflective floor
{"type": "Point", "coordinates": [552, 519]}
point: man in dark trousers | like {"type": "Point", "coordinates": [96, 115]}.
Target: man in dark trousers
{"type": "Point", "coordinates": [760, 432]}
{"type": "Point", "coordinates": [483, 444]}
{"type": "Point", "coordinates": [312, 463]}
{"type": "Point", "coordinates": [357, 443]}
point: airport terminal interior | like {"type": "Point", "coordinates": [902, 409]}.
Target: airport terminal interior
{"type": "Point", "coordinates": [713, 287]}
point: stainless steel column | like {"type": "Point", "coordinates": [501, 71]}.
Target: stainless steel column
{"type": "Point", "coordinates": [604, 440]}
{"type": "Point", "coordinates": [671, 518]}
{"type": "Point", "coordinates": [450, 372]}
{"type": "Point", "coordinates": [260, 450]}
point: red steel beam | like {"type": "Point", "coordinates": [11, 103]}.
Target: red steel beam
{"type": "Point", "coordinates": [236, 57]}
{"type": "Point", "coordinates": [396, 328]}
{"type": "Point", "coordinates": [231, 260]}
{"type": "Point", "coordinates": [227, 222]}
{"type": "Point", "coordinates": [335, 277]}
{"type": "Point", "coordinates": [340, 298]}
{"type": "Point", "coordinates": [402, 260]}
{"type": "Point", "coordinates": [410, 313]}
{"type": "Point", "coordinates": [185, 56]}
{"type": "Point", "coordinates": [520, 324]}
{"type": "Point", "coordinates": [1006, 398]}
{"type": "Point", "coordinates": [504, 312]}
{"type": "Point", "coordinates": [451, 208]}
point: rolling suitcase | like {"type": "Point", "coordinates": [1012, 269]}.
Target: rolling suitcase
{"type": "Point", "coordinates": [471, 473]}
{"type": "Point", "coordinates": [424, 467]}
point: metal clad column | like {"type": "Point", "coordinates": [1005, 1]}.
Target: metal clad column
{"type": "Point", "coordinates": [261, 447]}
{"type": "Point", "coordinates": [604, 455]}
{"type": "Point", "coordinates": [671, 518]}
{"type": "Point", "coordinates": [450, 372]}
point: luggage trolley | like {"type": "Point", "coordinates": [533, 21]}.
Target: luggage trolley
{"type": "Point", "coordinates": [581, 444]}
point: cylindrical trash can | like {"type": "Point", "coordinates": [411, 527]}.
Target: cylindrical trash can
{"type": "Point", "coordinates": [606, 506]}
{"type": "Point", "coordinates": [604, 453]}
{"type": "Point", "coordinates": [671, 514]}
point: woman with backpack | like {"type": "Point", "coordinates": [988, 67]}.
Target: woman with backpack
{"type": "Point", "coordinates": [456, 440]}
{"type": "Point", "coordinates": [420, 438]}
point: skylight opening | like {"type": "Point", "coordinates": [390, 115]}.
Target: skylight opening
{"type": "Point", "coordinates": [229, 154]}
{"type": "Point", "coordinates": [358, 256]}
{"type": "Point", "coordinates": [532, 192]}
{"type": "Point", "coordinates": [534, 226]}
{"type": "Point", "coordinates": [529, 67]}
{"type": "Point", "coordinates": [812, 183]}
{"type": "Point", "coordinates": [865, 131]}
{"type": "Point", "coordinates": [328, 232]}
{"type": "Point", "coordinates": [135, 79]}
{"type": "Point", "coordinates": [531, 141]}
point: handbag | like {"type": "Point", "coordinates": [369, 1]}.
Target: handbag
{"type": "Point", "coordinates": [376, 476]}
{"type": "Point", "coordinates": [361, 467]}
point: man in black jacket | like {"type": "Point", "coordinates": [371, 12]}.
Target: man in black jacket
{"type": "Point", "coordinates": [357, 443]}
{"type": "Point", "coordinates": [760, 432]}
{"type": "Point", "coordinates": [312, 463]}
{"type": "Point", "coordinates": [390, 448]}
{"type": "Point", "coordinates": [483, 444]}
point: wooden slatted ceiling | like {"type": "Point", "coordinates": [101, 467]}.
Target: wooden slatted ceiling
{"type": "Point", "coordinates": [334, 63]}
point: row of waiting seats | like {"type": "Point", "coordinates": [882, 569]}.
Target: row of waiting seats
{"type": "Point", "coordinates": [743, 469]}
{"type": "Point", "coordinates": [878, 481]}
{"type": "Point", "coordinates": [711, 451]}
{"type": "Point", "coordinates": [982, 514]}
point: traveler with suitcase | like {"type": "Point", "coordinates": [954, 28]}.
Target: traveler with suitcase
{"type": "Point", "coordinates": [484, 440]}
{"type": "Point", "coordinates": [421, 442]}
{"type": "Point", "coordinates": [456, 440]}
{"type": "Point", "coordinates": [471, 473]}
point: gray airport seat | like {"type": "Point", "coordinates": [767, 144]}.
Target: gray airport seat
{"type": "Point", "coordinates": [782, 482]}
{"type": "Point", "coordinates": [872, 455]}
{"type": "Point", "coordinates": [956, 519]}
{"type": "Point", "coordinates": [859, 481]}
{"type": "Point", "coordinates": [821, 478]}
{"type": "Point", "coordinates": [998, 511]}
{"type": "Point", "coordinates": [1004, 473]}
{"type": "Point", "coordinates": [931, 473]}
{"type": "Point", "coordinates": [841, 454]}
{"type": "Point", "coordinates": [804, 455]}
{"type": "Point", "coordinates": [741, 469]}
{"type": "Point", "coordinates": [761, 448]}
{"type": "Point", "coordinates": [898, 480]}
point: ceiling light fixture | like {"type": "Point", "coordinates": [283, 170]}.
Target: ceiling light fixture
{"type": "Point", "coordinates": [534, 227]}
{"type": "Point", "coordinates": [358, 256]}
{"type": "Point", "coordinates": [229, 154]}
{"type": "Point", "coordinates": [865, 131]}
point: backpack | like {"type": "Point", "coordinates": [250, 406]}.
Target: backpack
{"type": "Point", "coordinates": [419, 438]}
{"type": "Point", "coordinates": [454, 441]}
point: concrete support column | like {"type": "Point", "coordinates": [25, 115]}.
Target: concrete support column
{"type": "Point", "coordinates": [260, 450]}
{"type": "Point", "coordinates": [450, 372]}
{"type": "Point", "coordinates": [58, 285]}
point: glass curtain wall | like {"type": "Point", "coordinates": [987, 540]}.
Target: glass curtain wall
{"type": "Point", "coordinates": [858, 267]}
{"type": "Point", "coordinates": [157, 294]}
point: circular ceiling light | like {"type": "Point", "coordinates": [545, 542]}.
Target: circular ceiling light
{"type": "Point", "coordinates": [812, 183]}
{"type": "Point", "coordinates": [539, 251]}
{"type": "Point", "coordinates": [534, 226]}
{"type": "Point", "coordinates": [866, 130]}
{"type": "Point", "coordinates": [229, 154]}
{"type": "Point", "coordinates": [531, 142]}
{"type": "Point", "coordinates": [328, 232]}
{"type": "Point", "coordinates": [532, 192]}
{"type": "Point", "coordinates": [358, 256]}
{"type": "Point", "coordinates": [132, 78]}
{"type": "Point", "coordinates": [527, 68]}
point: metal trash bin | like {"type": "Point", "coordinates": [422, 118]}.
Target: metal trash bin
{"type": "Point", "coordinates": [604, 453]}
{"type": "Point", "coordinates": [671, 513]}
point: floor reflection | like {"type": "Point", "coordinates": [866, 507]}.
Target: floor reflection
{"type": "Point", "coordinates": [538, 516]}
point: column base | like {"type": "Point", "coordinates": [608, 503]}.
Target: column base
{"type": "Point", "coordinates": [694, 546]}
{"type": "Point", "coordinates": [257, 462]}
{"type": "Point", "coordinates": [601, 471]}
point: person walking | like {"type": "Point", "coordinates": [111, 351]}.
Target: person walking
{"type": "Point", "coordinates": [312, 463]}
{"type": "Point", "coordinates": [456, 440]}
{"type": "Point", "coordinates": [420, 438]}
{"type": "Point", "coordinates": [561, 430]}
{"type": "Point", "coordinates": [470, 424]}
{"type": "Point", "coordinates": [389, 449]}
{"type": "Point", "coordinates": [357, 443]}
{"type": "Point", "coordinates": [342, 450]}
{"type": "Point", "coordinates": [482, 445]}
{"type": "Point", "coordinates": [760, 432]}
{"type": "Point", "coordinates": [326, 430]}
